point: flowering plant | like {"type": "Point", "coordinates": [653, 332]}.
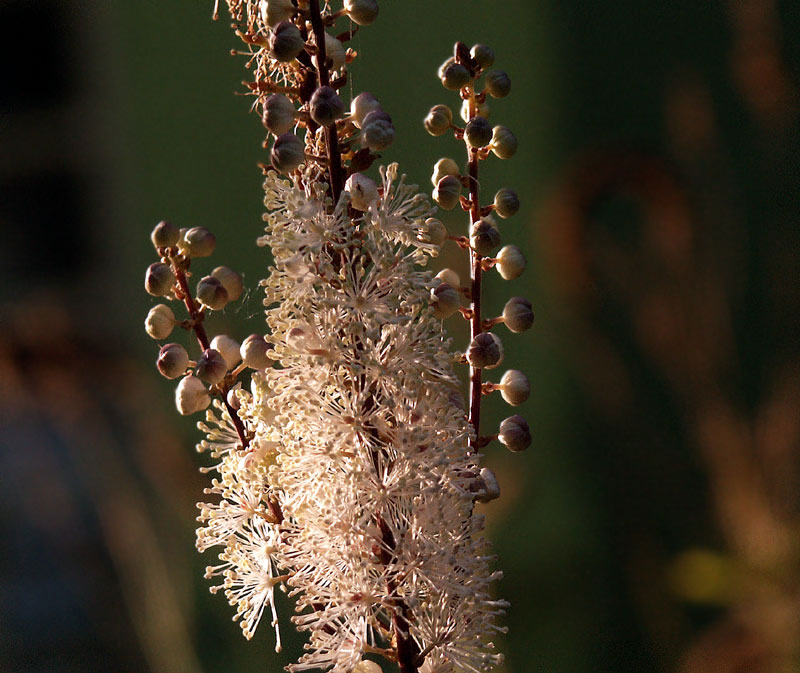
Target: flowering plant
{"type": "Point", "coordinates": [349, 468]}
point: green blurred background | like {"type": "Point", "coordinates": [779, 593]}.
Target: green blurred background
{"type": "Point", "coordinates": [652, 526]}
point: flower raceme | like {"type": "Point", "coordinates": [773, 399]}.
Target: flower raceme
{"type": "Point", "coordinates": [347, 471]}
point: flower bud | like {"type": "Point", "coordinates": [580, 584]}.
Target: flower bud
{"type": "Point", "coordinates": [435, 231]}
{"type": "Point", "coordinates": [515, 387]}
{"type": "Point", "coordinates": [497, 83]}
{"type": "Point", "coordinates": [254, 352]}
{"type": "Point", "coordinates": [285, 42]}
{"type": "Point", "coordinates": [445, 300]}
{"type": "Point", "coordinates": [514, 433]}
{"type": "Point", "coordinates": [191, 396]}
{"type": "Point", "coordinates": [377, 133]}
{"type": "Point", "coordinates": [232, 398]}
{"type": "Point", "coordinates": [478, 132]}
{"type": "Point", "coordinates": [504, 143]}
{"type": "Point", "coordinates": [199, 242]}
{"type": "Point", "coordinates": [367, 666]}
{"type": "Point", "coordinates": [159, 322]}
{"type": "Point", "coordinates": [481, 110]}
{"type": "Point", "coordinates": [158, 279]}
{"type": "Point", "coordinates": [506, 202]}
{"type": "Point", "coordinates": [510, 262]}
{"type": "Point", "coordinates": [211, 366]}
{"type": "Point", "coordinates": [438, 120]}
{"type": "Point", "coordinates": [334, 51]}
{"type": "Point", "coordinates": [450, 277]}
{"type": "Point", "coordinates": [228, 348]}
{"type": "Point", "coordinates": [453, 75]}
{"type": "Point", "coordinates": [490, 489]}
{"type": "Point", "coordinates": [482, 55]}
{"type": "Point", "coordinates": [287, 153]}
{"type": "Point", "coordinates": [362, 12]}
{"type": "Point", "coordinates": [231, 281]}
{"type": "Point", "coordinates": [325, 106]}
{"type": "Point", "coordinates": [212, 293]}
{"type": "Point", "coordinates": [279, 114]}
{"type": "Point", "coordinates": [172, 361]}
{"type": "Point", "coordinates": [518, 314]}
{"type": "Point", "coordinates": [484, 237]}
{"type": "Point", "coordinates": [363, 191]}
{"type": "Point", "coordinates": [361, 106]}
{"type": "Point", "coordinates": [274, 12]}
{"type": "Point", "coordinates": [447, 191]}
{"type": "Point", "coordinates": [485, 351]}
{"type": "Point", "coordinates": [442, 168]}
{"type": "Point", "coordinates": [165, 235]}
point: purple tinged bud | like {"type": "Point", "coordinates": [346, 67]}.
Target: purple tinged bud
{"type": "Point", "coordinates": [211, 367]}
{"type": "Point", "coordinates": [514, 433]}
{"type": "Point", "coordinates": [172, 361]}
{"type": "Point", "coordinates": [158, 280]}
{"type": "Point", "coordinates": [212, 293]}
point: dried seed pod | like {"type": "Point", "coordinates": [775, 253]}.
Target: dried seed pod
{"type": "Point", "coordinates": [254, 351]}
{"type": "Point", "coordinates": [172, 361]}
{"type": "Point", "coordinates": [361, 106]}
{"type": "Point", "coordinates": [482, 55]}
{"type": "Point", "coordinates": [453, 75]}
{"type": "Point", "coordinates": [285, 42]}
{"type": "Point", "coordinates": [503, 142]}
{"type": "Point", "coordinates": [212, 293]}
{"type": "Point", "coordinates": [445, 300]}
{"type": "Point", "coordinates": [510, 262]}
{"type": "Point", "coordinates": [165, 235]}
{"type": "Point", "coordinates": [478, 132]}
{"type": "Point", "coordinates": [490, 488]}
{"type": "Point", "coordinates": [485, 351]}
{"type": "Point", "coordinates": [279, 114]}
{"type": "Point", "coordinates": [199, 242]}
{"type": "Point", "coordinates": [191, 396]}
{"type": "Point", "coordinates": [287, 153]}
{"type": "Point", "coordinates": [518, 314]}
{"type": "Point", "coordinates": [362, 12]}
{"type": "Point", "coordinates": [514, 433]}
{"type": "Point", "coordinates": [506, 202]}
{"type": "Point", "coordinates": [484, 237]}
{"type": "Point", "coordinates": [515, 387]}
{"type": "Point", "coordinates": [442, 168]}
{"type": "Point", "coordinates": [231, 281]}
{"type": "Point", "coordinates": [447, 191]}
{"type": "Point", "coordinates": [325, 106]}
{"type": "Point", "coordinates": [497, 83]}
{"type": "Point", "coordinates": [363, 191]}
{"type": "Point", "coordinates": [438, 120]}
{"type": "Point", "coordinates": [159, 322]}
{"type": "Point", "coordinates": [211, 367]}
{"type": "Point", "coordinates": [158, 279]}
{"type": "Point", "coordinates": [228, 348]}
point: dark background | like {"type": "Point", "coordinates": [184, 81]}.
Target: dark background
{"type": "Point", "coordinates": [652, 526]}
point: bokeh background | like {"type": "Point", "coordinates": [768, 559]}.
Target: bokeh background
{"type": "Point", "coordinates": [652, 526]}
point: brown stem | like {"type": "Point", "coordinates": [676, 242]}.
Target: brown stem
{"type": "Point", "coordinates": [476, 326]}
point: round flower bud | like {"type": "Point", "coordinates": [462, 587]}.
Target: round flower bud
{"type": "Point", "coordinates": [442, 168]}
{"type": "Point", "coordinates": [450, 277]}
{"type": "Point", "coordinates": [504, 143]}
{"type": "Point", "coordinates": [254, 352]}
{"type": "Point", "coordinates": [159, 322]}
{"type": "Point", "coordinates": [484, 237]}
{"type": "Point", "coordinates": [367, 666]}
{"type": "Point", "coordinates": [447, 191]}
{"type": "Point", "coordinates": [211, 366]}
{"type": "Point", "coordinates": [361, 106]}
{"type": "Point", "coordinates": [212, 293]}
{"type": "Point", "coordinates": [478, 132]}
{"type": "Point", "coordinates": [334, 51]}
{"type": "Point", "coordinates": [363, 191]}
{"type": "Point", "coordinates": [274, 12]}
{"type": "Point", "coordinates": [377, 133]}
{"type": "Point", "coordinates": [438, 120]}
{"type": "Point", "coordinates": [445, 300]}
{"type": "Point", "coordinates": [481, 110]}
{"type": "Point", "coordinates": [172, 361]}
{"type": "Point", "coordinates": [510, 262]}
{"type": "Point", "coordinates": [490, 488]}
{"type": "Point", "coordinates": [435, 231]}
{"type": "Point", "coordinates": [287, 153]}
{"type": "Point", "coordinates": [485, 351]}
{"type": "Point", "coordinates": [362, 12]}
{"type": "Point", "coordinates": [279, 114]}
{"type": "Point", "coordinates": [231, 281]}
{"type": "Point", "coordinates": [228, 348]}
{"type": "Point", "coordinates": [159, 280]}
{"type": "Point", "coordinates": [482, 55]}
{"type": "Point", "coordinates": [191, 396]}
{"type": "Point", "coordinates": [515, 387]}
{"type": "Point", "coordinates": [325, 106]}
{"type": "Point", "coordinates": [518, 314]}
{"type": "Point", "coordinates": [285, 42]}
{"type": "Point", "coordinates": [199, 242]}
{"type": "Point", "coordinates": [453, 75]}
{"type": "Point", "coordinates": [514, 433]}
{"type": "Point", "coordinates": [165, 235]}
{"type": "Point", "coordinates": [497, 83]}
{"type": "Point", "coordinates": [232, 398]}
{"type": "Point", "coordinates": [506, 202]}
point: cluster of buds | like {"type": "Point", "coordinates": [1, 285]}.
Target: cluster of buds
{"type": "Point", "coordinates": [470, 73]}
